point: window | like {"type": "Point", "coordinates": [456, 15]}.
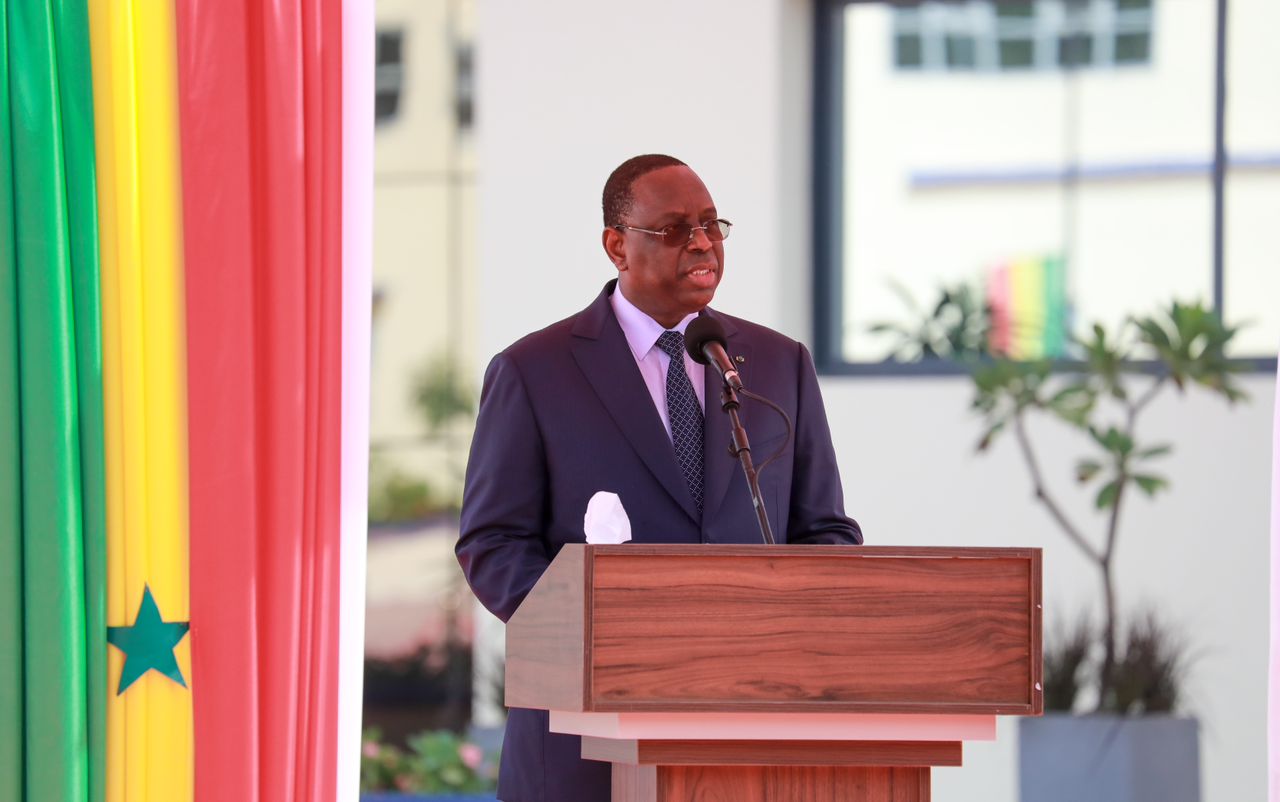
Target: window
{"type": "Point", "coordinates": [1057, 158]}
{"type": "Point", "coordinates": [1021, 35]}
{"type": "Point", "coordinates": [388, 75]}
{"type": "Point", "coordinates": [464, 85]}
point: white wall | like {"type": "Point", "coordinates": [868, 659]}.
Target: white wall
{"type": "Point", "coordinates": [570, 88]}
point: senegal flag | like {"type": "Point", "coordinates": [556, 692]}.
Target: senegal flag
{"type": "Point", "coordinates": [184, 312]}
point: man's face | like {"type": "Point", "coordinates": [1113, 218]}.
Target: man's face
{"type": "Point", "coordinates": [667, 282]}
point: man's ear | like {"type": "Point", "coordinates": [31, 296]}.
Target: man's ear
{"type": "Point", "coordinates": [615, 245]}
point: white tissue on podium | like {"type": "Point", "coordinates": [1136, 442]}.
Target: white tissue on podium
{"type": "Point", "coordinates": [606, 521]}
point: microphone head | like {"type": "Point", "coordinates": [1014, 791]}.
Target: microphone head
{"type": "Point", "coordinates": [701, 330]}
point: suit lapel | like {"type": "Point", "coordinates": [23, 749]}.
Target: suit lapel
{"type": "Point", "coordinates": [718, 465]}
{"type": "Point", "coordinates": [602, 354]}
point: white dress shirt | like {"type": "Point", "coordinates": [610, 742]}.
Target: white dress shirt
{"type": "Point", "coordinates": [642, 333]}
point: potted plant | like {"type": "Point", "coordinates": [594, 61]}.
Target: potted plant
{"type": "Point", "coordinates": [436, 766]}
{"type": "Point", "coordinates": [1132, 676]}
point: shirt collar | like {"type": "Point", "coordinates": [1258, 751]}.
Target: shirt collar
{"type": "Point", "coordinates": [640, 330]}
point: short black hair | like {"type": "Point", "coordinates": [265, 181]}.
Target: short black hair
{"type": "Point", "coordinates": [617, 198]}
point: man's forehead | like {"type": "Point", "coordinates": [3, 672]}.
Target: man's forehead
{"type": "Point", "coordinates": [671, 190]}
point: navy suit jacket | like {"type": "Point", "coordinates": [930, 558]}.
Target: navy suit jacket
{"type": "Point", "coordinates": [564, 413]}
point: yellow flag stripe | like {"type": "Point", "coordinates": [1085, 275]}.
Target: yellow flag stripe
{"type": "Point", "coordinates": [149, 741]}
{"type": "Point", "coordinates": [170, 752]}
{"type": "Point", "coordinates": [109, 35]}
{"type": "Point", "coordinates": [1028, 309]}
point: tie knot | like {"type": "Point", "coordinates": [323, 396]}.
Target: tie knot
{"type": "Point", "coordinates": [672, 342]}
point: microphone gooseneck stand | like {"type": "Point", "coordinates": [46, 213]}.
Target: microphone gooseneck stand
{"type": "Point", "coordinates": [704, 340]}
{"type": "Point", "coordinates": [740, 447]}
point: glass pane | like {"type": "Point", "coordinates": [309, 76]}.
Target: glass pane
{"type": "Point", "coordinates": [1061, 198]}
{"type": "Point", "coordinates": [907, 50]}
{"type": "Point", "coordinates": [1133, 4]}
{"type": "Point", "coordinates": [961, 52]}
{"type": "Point", "coordinates": [1015, 53]}
{"type": "Point", "coordinates": [1251, 269]}
{"type": "Point", "coordinates": [1133, 48]}
{"type": "Point", "coordinates": [464, 85]}
{"type": "Point", "coordinates": [387, 48]}
{"type": "Point", "coordinates": [1018, 8]}
{"type": "Point", "coordinates": [1074, 51]}
{"type": "Point", "coordinates": [385, 105]}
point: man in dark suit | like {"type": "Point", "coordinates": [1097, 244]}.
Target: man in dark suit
{"type": "Point", "coordinates": [603, 401]}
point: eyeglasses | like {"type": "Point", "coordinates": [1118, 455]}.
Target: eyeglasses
{"type": "Point", "coordinates": [677, 235]}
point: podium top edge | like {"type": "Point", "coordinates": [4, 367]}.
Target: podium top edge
{"type": "Point", "coordinates": [805, 550]}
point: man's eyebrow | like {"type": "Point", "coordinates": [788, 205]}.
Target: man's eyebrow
{"type": "Point", "coordinates": [669, 218]}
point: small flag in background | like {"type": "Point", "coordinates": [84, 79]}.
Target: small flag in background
{"type": "Point", "coordinates": [1030, 313]}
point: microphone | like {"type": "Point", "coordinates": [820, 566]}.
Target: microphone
{"type": "Point", "coordinates": [704, 339]}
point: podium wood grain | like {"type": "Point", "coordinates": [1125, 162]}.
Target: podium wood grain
{"type": "Point", "coordinates": [547, 648]}
{"type": "Point", "coordinates": [769, 784]}
{"type": "Point", "coordinates": [772, 753]}
{"type": "Point", "coordinates": [781, 629]}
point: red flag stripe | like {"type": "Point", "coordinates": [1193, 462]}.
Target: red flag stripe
{"type": "Point", "coordinates": [262, 119]}
{"type": "Point", "coordinates": [213, 80]}
{"type": "Point", "coordinates": [279, 188]}
{"type": "Point", "coordinates": [322, 68]}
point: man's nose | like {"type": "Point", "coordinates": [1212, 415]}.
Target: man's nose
{"type": "Point", "coordinates": [698, 239]}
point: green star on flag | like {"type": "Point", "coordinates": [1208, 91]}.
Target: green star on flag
{"type": "Point", "coordinates": [148, 644]}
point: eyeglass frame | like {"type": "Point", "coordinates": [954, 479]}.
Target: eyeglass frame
{"type": "Point", "coordinates": [662, 232]}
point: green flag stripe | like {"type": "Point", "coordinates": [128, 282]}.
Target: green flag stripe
{"type": "Point", "coordinates": [54, 618]}
{"type": "Point", "coordinates": [75, 93]}
{"type": "Point", "coordinates": [1055, 306]}
{"type": "Point", "coordinates": [11, 657]}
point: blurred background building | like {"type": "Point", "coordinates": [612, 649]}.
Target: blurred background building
{"type": "Point", "coordinates": [1058, 157]}
{"type": "Point", "coordinates": [419, 623]}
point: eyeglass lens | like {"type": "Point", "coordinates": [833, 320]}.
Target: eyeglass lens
{"type": "Point", "coordinates": [681, 233]}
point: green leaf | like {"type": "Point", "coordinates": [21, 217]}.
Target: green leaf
{"type": "Point", "coordinates": [1153, 333]}
{"type": "Point", "coordinates": [1154, 451]}
{"type": "Point", "coordinates": [1086, 469]}
{"type": "Point", "coordinates": [1112, 440]}
{"type": "Point", "coordinates": [1191, 342]}
{"type": "Point", "coordinates": [1073, 403]}
{"type": "Point", "coordinates": [1124, 444]}
{"type": "Point", "coordinates": [1151, 484]}
{"type": "Point", "coordinates": [1107, 495]}
{"type": "Point", "coordinates": [1100, 334]}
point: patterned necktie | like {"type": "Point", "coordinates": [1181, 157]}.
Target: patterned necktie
{"type": "Point", "coordinates": [685, 415]}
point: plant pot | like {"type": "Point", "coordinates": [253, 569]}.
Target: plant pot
{"type": "Point", "coordinates": [1108, 758]}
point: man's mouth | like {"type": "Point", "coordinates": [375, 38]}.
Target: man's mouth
{"type": "Point", "coordinates": [702, 276]}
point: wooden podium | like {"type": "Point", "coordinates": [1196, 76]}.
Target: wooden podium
{"type": "Point", "coordinates": [778, 673]}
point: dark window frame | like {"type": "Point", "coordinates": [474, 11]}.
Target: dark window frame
{"type": "Point", "coordinates": [828, 200]}
{"type": "Point", "coordinates": [392, 72]}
